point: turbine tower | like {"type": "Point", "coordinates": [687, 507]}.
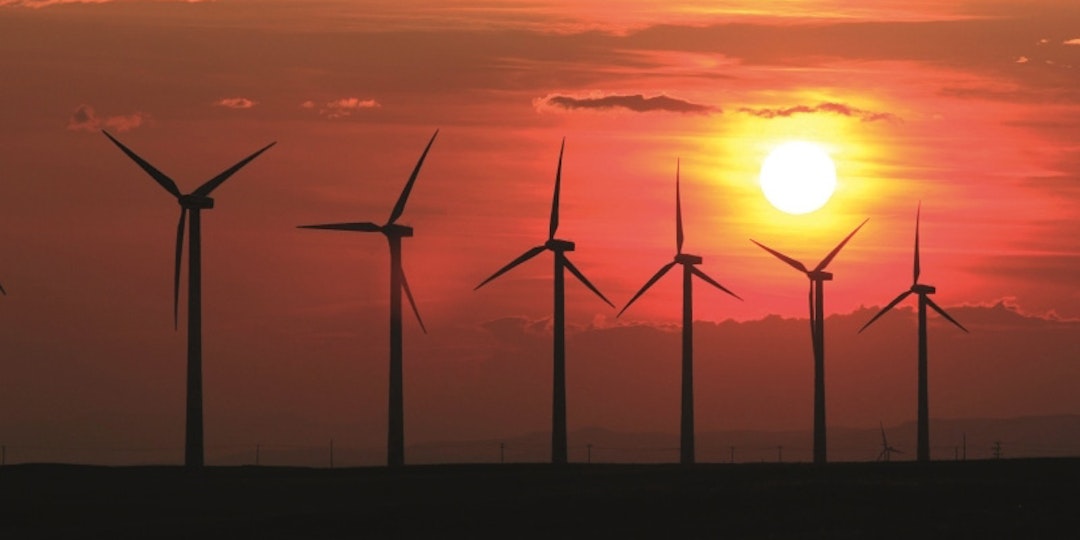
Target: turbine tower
{"type": "Point", "coordinates": [559, 248]}
{"type": "Point", "coordinates": [923, 291]}
{"type": "Point", "coordinates": [818, 276]}
{"type": "Point", "coordinates": [192, 203]}
{"type": "Point", "coordinates": [395, 440]}
{"type": "Point", "coordinates": [886, 450]}
{"type": "Point", "coordinates": [688, 262]}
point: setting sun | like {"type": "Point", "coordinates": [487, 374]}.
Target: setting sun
{"type": "Point", "coordinates": [798, 177]}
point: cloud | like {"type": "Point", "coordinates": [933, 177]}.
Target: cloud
{"type": "Point", "coordinates": [826, 107]}
{"type": "Point", "coordinates": [631, 102]}
{"type": "Point", "coordinates": [236, 103]}
{"type": "Point", "coordinates": [1023, 60]}
{"type": "Point", "coordinates": [86, 119]}
{"type": "Point", "coordinates": [1074, 41]}
{"type": "Point", "coordinates": [341, 108]}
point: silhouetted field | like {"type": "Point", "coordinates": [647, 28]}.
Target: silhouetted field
{"type": "Point", "coordinates": [1035, 498]}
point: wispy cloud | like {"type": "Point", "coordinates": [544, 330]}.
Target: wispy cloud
{"type": "Point", "coordinates": [236, 103]}
{"type": "Point", "coordinates": [341, 108]}
{"type": "Point", "coordinates": [827, 107]}
{"type": "Point", "coordinates": [1074, 41]}
{"type": "Point", "coordinates": [630, 102]}
{"type": "Point", "coordinates": [86, 119]}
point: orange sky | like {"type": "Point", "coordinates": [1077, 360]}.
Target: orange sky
{"type": "Point", "coordinates": [972, 108]}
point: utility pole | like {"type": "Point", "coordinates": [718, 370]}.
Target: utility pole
{"type": "Point", "coordinates": [588, 455]}
{"type": "Point", "coordinates": [502, 452]}
{"type": "Point", "coordinates": [997, 449]}
{"type": "Point", "coordinates": [780, 454]}
{"type": "Point", "coordinates": [257, 448]}
{"type": "Point", "coordinates": [3, 455]}
{"type": "Point", "coordinates": [964, 444]}
{"type": "Point", "coordinates": [331, 453]}
{"type": "Point", "coordinates": [733, 454]}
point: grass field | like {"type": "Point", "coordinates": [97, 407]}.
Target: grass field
{"type": "Point", "coordinates": [1022, 498]}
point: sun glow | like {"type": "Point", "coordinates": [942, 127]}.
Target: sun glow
{"type": "Point", "coordinates": [798, 177]}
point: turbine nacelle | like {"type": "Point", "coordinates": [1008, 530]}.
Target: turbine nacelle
{"type": "Point", "coordinates": [559, 245]}
{"type": "Point", "coordinates": [195, 202]}
{"type": "Point", "coordinates": [919, 288]}
{"type": "Point", "coordinates": [686, 258]}
{"type": "Point", "coordinates": [400, 231]}
{"type": "Point", "coordinates": [819, 275]}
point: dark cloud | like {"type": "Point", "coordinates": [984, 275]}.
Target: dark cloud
{"type": "Point", "coordinates": [826, 107]}
{"type": "Point", "coordinates": [632, 102]}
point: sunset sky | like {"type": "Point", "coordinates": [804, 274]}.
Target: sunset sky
{"type": "Point", "coordinates": [972, 108]}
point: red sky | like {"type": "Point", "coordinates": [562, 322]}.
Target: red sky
{"type": "Point", "coordinates": [972, 108]}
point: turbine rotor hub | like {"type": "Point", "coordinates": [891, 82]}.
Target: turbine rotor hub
{"type": "Point", "coordinates": [401, 231]}
{"type": "Point", "coordinates": [820, 275]}
{"type": "Point", "coordinates": [686, 258]}
{"type": "Point", "coordinates": [196, 202]}
{"type": "Point", "coordinates": [919, 288]}
{"type": "Point", "coordinates": [559, 245]}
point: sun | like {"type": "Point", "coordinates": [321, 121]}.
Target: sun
{"type": "Point", "coordinates": [798, 177]}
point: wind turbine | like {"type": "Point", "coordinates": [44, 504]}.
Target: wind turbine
{"type": "Point", "coordinates": [192, 203]}
{"type": "Point", "coordinates": [688, 262]}
{"type": "Point", "coordinates": [924, 291]}
{"type": "Point", "coordinates": [818, 276]}
{"type": "Point", "coordinates": [886, 450]}
{"type": "Point", "coordinates": [395, 441]}
{"type": "Point", "coordinates": [559, 248]}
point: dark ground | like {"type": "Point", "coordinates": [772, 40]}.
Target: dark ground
{"type": "Point", "coordinates": [1030, 498]}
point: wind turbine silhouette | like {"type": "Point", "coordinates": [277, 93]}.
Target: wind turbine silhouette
{"type": "Point", "coordinates": [923, 449]}
{"type": "Point", "coordinates": [886, 450]}
{"type": "Point", "coordinates": [688, 262]}
{"type": "Point", "coordinates": [818, 276]}
{"type": "Point", "coordinates": [559, 248]}
{"type": "Point", "coordinates": [193, 203]}
{"type": "Point", "coordinates": [395, 441]}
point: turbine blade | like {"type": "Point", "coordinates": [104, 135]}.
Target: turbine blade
{"type": "Point", "coordinates": [213, 183]}
{"type": "Point", "coordinates": [678, 212]}
{"type": "Point", "coordinates": [554, 225]}
{"type": "Point", "coordinates": [2, 291]}
{"type": "Point", "coordinates": [176, 268]}
{"type": "Point", "coordinates": [828, 258]}
{"type": "Point", "coordinates": [697, 272]}
{"type": "Point", "coordinates": [881, 455]}
{"type": "Point", "coordinates": [918, 211]}
{"type": "Point", "coordinates": [892, 304]}
{"type": "Point", "coordinates": [408, 294]}
{"type": "Point", "coordinates": [897, 451]}
{"type": "Point", "coordinates": [943, 314]}
{"type": "Point", "coordinates": [884, 441]}
{"type": "Point", "coordinates": [157, 175]}
{"type": "Point", "coordinates": [524, 257]}
{"type": "Point", "coordinates": [399, 207]}
{"type": "Point", "coordinates": [656, 277]}
{"type": "Point", "coordinates": [355, 227]}
{"type": "Point", "coordinates": [581, 277]}
{"type": "Point", "coordinates": [795, 264]}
